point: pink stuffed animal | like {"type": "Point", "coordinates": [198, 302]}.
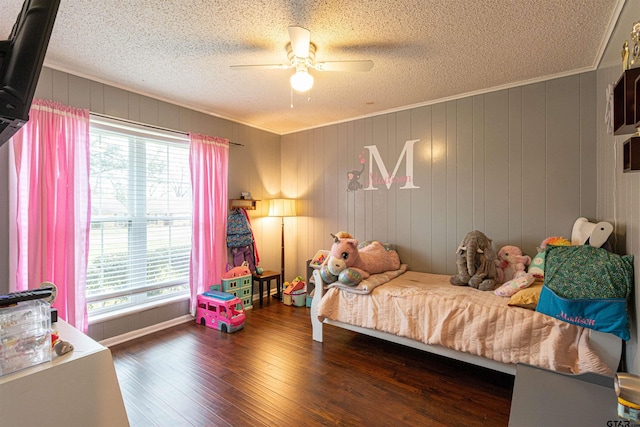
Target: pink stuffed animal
{"type": "Point", "coordinates": [371, 259]}
{"type": "Point", "coordinates": [511, 264]}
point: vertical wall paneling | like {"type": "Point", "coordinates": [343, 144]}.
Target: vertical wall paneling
{"type": "Point", "coordinates": [320, 167]}
{"type": "Point", "coordinates": [464, 168]}
{"type": "Point", "coordinates": [498, 162]}
{"type": "Point", "coordinates": [169, 115]}
{"type": "Point", "coordinates": [239, 157]}
{"type": "Point", "coordinates": [515, 162]}
{"type": "Point", "coordinates": [439, 219]}
{"type": "Point", "coordinates": [133, 108]}
{"type": "Point", "coordinates": [60, 89]}
{"type": "Point", "coordinates": [364, 211]}
{"type": "Point", "coordinates": [452, 186]}
{"type": "Point", "coordinates": [406, 129]}
{"type": "Point", "coordinates": [331, 152]}
{"type": "Point", "coordinates": [376, 213]}
{"type": "Point", "coordinates": [496, 178]}
{"type": "Point", "coordinates": [97, 97]}
{"type": "Point", "coordinates": [80, 96]}
{"type": "Point", "coordinates": [345, 162]}
{"type": "Point", "coordinates": [563, 153]}
{"type": "Point", "coordinates": [303, 220]}
{"type": "Point", "coordinates": [334, 178]}
{"type": "Point", "coordinates": [588, 145]}
{"type": "Point", "coordinates": [116, 102]}
{"type": "Point", "coordinates": [534, 167]}
{"type": "Point", "coordinates": [415, 206]}
{"type": "Point", "coordinates": [187, 117]}
{"type": "Point", "coordinates": [289, 189]}
{"type": "Point", "coordinates": [44, 89]}
{"type": "Point", "coordinates": [362, 138]}
{"type": "Point", "coordinates": [148, 110]}
{"type": "Point", "coordinates": [479, 156]}
{"type": "Point", "coordinates": [395, 146]}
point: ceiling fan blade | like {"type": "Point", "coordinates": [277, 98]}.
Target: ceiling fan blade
{"type": "Point", "coordinates": [261, 66]}
{"type": "Point", "coordinates": [300, 39]}
{"type": "Point", "coordinates": [364, 65]}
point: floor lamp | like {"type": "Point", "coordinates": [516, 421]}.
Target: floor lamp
{"type": "Point", "coordinates": [282, 208]}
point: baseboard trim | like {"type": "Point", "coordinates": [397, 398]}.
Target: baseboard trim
{"type": "Point", "coordinates": [119, 339]}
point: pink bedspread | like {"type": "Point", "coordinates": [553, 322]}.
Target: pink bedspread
{"type": "Point", "coordinates": [427, 308]}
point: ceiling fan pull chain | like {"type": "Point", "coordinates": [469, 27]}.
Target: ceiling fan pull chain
{"type": "Point", "coordinates": [291, 89]}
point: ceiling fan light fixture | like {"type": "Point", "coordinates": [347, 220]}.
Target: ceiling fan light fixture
{"type": "Point", "coordinates": [301, 81]}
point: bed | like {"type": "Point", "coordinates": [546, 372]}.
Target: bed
{"type": "Point", "coordinates": [424, 311]}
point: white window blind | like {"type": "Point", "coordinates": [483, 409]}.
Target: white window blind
{"type": "Point", "coordinates": [140, 238]}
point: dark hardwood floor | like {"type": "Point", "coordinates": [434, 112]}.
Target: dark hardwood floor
{"type": "Point", "coordinates": [273, 374]}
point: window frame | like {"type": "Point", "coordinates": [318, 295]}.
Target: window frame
{"type": "Point", "coordinates": [138, 224]}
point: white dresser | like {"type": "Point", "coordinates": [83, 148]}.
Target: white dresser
{"type": "Point", "coordinates": [79, 388]}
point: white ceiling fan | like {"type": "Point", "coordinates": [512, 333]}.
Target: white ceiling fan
{"type": "Point", "coordinates": [302, 53]}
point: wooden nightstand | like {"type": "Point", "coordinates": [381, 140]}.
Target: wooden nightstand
{"type": "Point", "coordinates": [267, 276]}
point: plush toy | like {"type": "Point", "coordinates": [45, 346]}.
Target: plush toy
{"type": "Point", "coordinates": [514, 285]}
{"type": "Point", "coordinates": [537, 262]}
{"type": "Point", "coordinates": [476, 262]}
{"type": "Point", "coordinates": [554, 241]}
{"type": "Point", "coordinates": [350, 265]}
{"type": "Point", "coordinates": [343, 235]}
{"type": "Point", "coordinates": [536, 268]}
{"type": "Point", "coordinates": [511, 264]}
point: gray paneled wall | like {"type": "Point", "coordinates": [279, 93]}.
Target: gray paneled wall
{"type": "Point", "coordinates": [517, 164]}
{"type": "Point", "coordinates": [619, 201]}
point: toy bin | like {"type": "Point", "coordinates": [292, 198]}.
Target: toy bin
{"type": "Point", "coordinates": [319, 258]}
{"type": "Point", "coordinates": [299, 299]}
{"type": "Point", "coordinates": [25, 335]}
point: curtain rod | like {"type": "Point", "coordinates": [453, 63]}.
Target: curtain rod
{"type": "Point", "coordinates": [151, 126]}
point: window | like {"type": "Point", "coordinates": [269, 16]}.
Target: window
{"type": "Point", "coordinates": [140, 239]}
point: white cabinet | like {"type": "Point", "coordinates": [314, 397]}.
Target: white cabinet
{"type": "Point", "coordinates": [79, 388]}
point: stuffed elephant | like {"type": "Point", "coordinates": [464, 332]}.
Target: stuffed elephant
{"type": "Point", "coordinates": [475, 259]}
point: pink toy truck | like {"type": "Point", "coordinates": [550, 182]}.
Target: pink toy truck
{"type": "Point", "coordinates": [220, 310]}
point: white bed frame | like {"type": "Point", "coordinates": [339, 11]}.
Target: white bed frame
{"type": "Point", "coordinates": [608, 346]}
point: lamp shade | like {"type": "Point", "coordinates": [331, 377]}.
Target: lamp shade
{"type": "Point", "coordinates": [282, 207]}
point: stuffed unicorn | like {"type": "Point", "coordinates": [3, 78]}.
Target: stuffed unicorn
{"type": "Point", "coordinates": [350, 265]}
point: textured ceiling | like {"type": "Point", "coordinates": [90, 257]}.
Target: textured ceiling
{"type": "Point", "coordinates": [423, 50]}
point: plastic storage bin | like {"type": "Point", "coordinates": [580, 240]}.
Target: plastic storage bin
{"type": "Point", "coordinates": [299, 299]}
{"type": "Point", "coordinates": [25, 335]}
{"type": "Point", "coordinates": [318, 259]}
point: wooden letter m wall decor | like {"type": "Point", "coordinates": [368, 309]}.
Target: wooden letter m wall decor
{"type": "Point", "coordinates": [384, 177]}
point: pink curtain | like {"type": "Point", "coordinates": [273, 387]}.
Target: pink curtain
{"type": "Point", "coordinates": [209, 158]}
{"type": "Point", "coordinates": [51, 154]}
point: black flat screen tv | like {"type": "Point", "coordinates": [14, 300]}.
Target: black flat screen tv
{"type": "Point", "coordinates": [21, 58]}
